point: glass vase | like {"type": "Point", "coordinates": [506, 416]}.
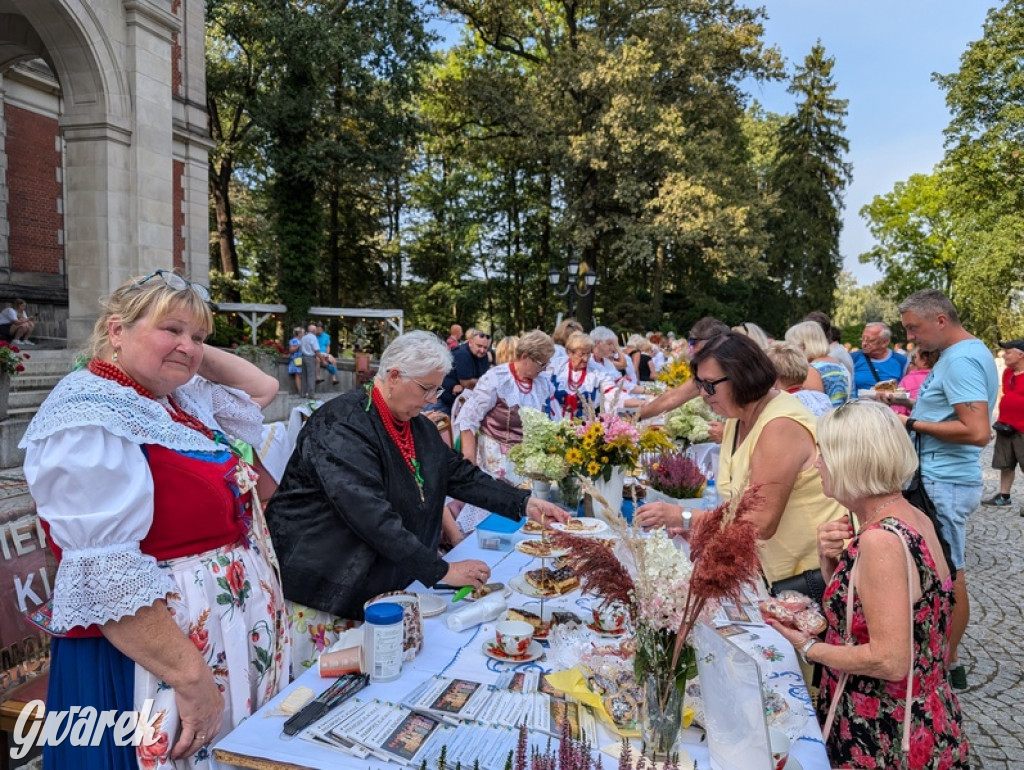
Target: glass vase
{"type": "Point", "coordinates": [661, 717]}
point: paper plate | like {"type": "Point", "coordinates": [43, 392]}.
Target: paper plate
{"type": "Point", "coordinates": [432, 604]}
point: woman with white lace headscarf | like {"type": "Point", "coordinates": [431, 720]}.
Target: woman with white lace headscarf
{"type": "Point", "coordinates": [165, 587]}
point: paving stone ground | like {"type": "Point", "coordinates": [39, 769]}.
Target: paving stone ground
{"type": "Point", "coordinates": [993, 704]}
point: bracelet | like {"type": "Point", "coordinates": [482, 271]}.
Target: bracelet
{"type": "Point", "coordinates": [805, 648]}
{"type": "Point", "coordinates": [910, 423]}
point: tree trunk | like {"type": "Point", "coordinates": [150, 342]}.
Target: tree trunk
{"type": "Point", "coordinates": [220, 189]}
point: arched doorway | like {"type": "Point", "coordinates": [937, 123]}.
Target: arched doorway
{"type": "Point", "coordinates": [128, 101]}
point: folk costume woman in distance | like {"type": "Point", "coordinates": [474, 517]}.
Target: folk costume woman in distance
{"type": "Point", "coordinates": [165, 587]}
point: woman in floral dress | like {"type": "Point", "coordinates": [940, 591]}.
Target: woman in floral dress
{"type": "Point", "coordinates": [866, 458]}
{"type": "Point", "coordinates": [165, 587]}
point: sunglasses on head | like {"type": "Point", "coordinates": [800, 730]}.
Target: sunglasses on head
{"type": "Point", "coordinates": [176, 282]}
{"type": "Point", "coordinates": [708, 386]}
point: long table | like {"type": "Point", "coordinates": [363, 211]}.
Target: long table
{"type": "Point", "coordinates": [259, 742]}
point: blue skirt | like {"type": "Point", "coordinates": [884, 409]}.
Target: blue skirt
{"type": "Point", "coordinates": [90, 672]}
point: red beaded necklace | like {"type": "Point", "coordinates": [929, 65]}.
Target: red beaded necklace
{"type": "Point", "coordinates": [110, 372]}
{"type": "Point", "coordinates": [572, 387]}
{"type": "Point", "coordinates": [401, 434]}
{"type": "Point", "coordinates": [524, 385]}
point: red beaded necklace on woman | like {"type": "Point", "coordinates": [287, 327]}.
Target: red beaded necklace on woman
{"type": "Point", "coordinates": [572, 387]}
{"type": "Point", "coordinates": [110, 372]}
{"type": "Point", "coordinates": [524, 385]}
{"type": "Point", "coordinates": [401, 434]}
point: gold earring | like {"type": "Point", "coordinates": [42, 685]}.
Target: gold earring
{"type": "Point", "coordinates": [115, 356]}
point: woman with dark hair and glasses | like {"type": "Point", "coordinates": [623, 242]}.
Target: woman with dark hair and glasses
{"type": "Point", "coordinates": [768, 442]}
{"type": "Point", "coordinates": [165, 588]}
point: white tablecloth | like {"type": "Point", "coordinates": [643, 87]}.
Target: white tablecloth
{"type": "Point", "coordinates": [460, 655]}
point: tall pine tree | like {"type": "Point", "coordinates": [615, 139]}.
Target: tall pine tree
{"type": "Point", "coordinates": [809, 179]}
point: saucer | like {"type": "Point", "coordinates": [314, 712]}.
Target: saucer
{"type": "Point", "coordinates": [533, 652]}
{"type": "Point", "coordinates": [606, 634]}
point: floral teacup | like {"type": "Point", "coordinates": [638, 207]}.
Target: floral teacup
{"type": "Point", "coordinates": [610, 617]}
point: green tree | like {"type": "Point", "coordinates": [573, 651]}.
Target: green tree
{"type": "Point", "coordinates": [808, 180]}
{"type": "Point", "coordinates": [984, 165]}
{"type": "Point", "coordinates": [915, 232]}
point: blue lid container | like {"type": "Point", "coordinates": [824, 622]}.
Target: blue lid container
{"type": "Point", "coordinates": [384, 613]}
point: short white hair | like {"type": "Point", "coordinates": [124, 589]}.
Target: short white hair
{"type": "Point", "coordinates": [602, 334]}
{"type": "Point", "coordinates": [415, 354]}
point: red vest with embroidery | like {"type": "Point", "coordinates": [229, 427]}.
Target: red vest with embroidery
{"type": "Point", "coordinates": [197, 506]}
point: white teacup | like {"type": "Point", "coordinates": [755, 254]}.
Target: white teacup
{"type": "Point", "coordinates": [513, 637]}
{"type": "Point", "coordinates": [611, 617]}
{"type": "Point", "coordinates": [780, 744]}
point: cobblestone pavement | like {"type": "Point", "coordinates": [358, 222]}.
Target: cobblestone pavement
{"type": "Point", "coordinates": [993, 704]}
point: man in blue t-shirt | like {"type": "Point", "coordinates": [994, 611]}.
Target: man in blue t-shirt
{"type": "Point", "coordinates": [469, 362]}
{"type": "Point", "coordinates": [876, 361]}
{"type": "Point", "coordinates": [952, 417]}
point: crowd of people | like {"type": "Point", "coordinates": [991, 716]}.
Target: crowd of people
{"type": "Point", "coordinates": [144, 578]}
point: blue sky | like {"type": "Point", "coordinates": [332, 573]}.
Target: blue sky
{"type": "Point", "coordinates": [885, 54]}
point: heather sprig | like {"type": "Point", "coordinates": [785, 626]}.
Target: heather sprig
{"type": "Point", "coordinates": [674, 474]}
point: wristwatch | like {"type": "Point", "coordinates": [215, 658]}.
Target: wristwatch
{"type": "Point", "coordinates": [687, 516]}
{"type": "Point", "coordinates": [910, 423]}
{"type": "Point", "coordinates": [805, 648]}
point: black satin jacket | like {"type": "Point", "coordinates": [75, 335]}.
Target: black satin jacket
{"type": "Point", "coordinates": [348, 522]}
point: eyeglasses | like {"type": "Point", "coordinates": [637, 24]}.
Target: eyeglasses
{"type": "Point", "coordinates": [708, 386]}
{"type": "Point", "coordinates": [541, 364]}
{"type": "Point", "coordinates": [429, 393]}
{"type": "Point", "coordinates": [176, 282]}
{"type": "Point", "coordinates": [694, 340]}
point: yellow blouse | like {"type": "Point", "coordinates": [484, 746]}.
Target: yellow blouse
{"type": "Point", "coordinates": [793, 549]}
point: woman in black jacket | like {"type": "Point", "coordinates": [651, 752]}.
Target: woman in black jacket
{"type": "Point", "coordinates": [359, 508]}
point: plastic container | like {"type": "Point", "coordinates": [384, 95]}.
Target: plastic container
{"type": "Point", "coordinates": [474, 613]}
{"type": "Point", "coordinates": [709, 499]}
{"type": "Point", "coordinates": [497, 533]}
{"type": "Point", "coordinates": [383, 632]}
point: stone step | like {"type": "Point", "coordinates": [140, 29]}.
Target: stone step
{"type": "Point", "coordinates": [25, 381]}
{"type": "Point", "coordinates": [19, 399]}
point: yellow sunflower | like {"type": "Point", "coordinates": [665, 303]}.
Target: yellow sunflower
{"type": "Point", "coordinates": [593, 468]}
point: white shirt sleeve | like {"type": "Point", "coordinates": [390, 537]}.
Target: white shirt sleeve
{"type": "Point", "coordinates": [479, 402]}
{"type": "Point", "coordinates": [8, 315]}
{"type": "Point", "coordinates": [232, 409]}
{"type": "Point", "coordinates": [95, 492]}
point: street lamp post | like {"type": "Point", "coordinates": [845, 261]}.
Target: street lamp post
{"type": "Point", "coordinates": [572, 288]}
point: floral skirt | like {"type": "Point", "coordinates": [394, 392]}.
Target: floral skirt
{"type": "Point", "coordinates": [313, 631]}
{"type": "Point", "coordinates": [492, 457]}
{"type": "Point", "coordinates": [227, 604]}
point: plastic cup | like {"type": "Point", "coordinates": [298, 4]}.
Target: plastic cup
{"type": "Point", "coordinates": [346, 661]}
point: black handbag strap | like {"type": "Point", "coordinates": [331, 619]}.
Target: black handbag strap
{"type": "Point", "coordinates": [874, 371]}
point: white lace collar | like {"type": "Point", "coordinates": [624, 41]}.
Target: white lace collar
{"type": "Point", "coordinates": [83, 399]}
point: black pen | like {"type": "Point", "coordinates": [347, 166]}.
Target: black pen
{"type": "Point", "coordinates": [345, 687]}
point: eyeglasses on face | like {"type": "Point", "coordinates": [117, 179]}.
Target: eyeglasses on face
{"type": "Point", "coordinates": [708, 386]}
{"type": "Point", "coordinates": [176, 282]}
{"type": "Point", "coordinates": [541, 364]}
{"type": "Point", "coordinates": [429, 393]}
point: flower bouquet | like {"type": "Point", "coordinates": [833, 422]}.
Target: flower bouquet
{"type": "Point", "coordinates": [541, 454]}
{"type": "Point", "coordinates": [599, 445]}
{"type": "Point", "coordinates": [690, 422]}
{"type": "Point", "coordinates": [666, 595]}
{"type": "Point", "coordinates": [673, 477]}
{"type": "Point", "coordinates": [674, 372]}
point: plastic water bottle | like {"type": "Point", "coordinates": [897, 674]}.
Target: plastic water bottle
{"type": "Point", "coordinates": [710, 496]}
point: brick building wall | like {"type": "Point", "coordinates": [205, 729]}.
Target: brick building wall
{"type": "Point", "coordinates": [179, 214]}
{"type": "Point", "coordinates": [34, 183]}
